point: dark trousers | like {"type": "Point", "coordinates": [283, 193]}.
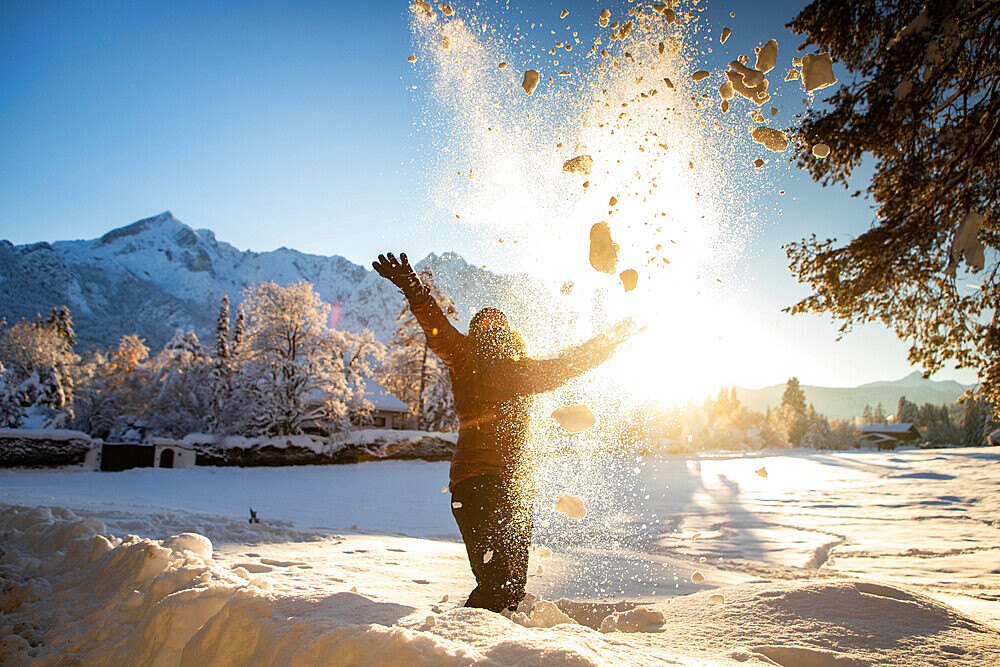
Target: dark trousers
{"type": "Point", "coordinates": [496, 518]}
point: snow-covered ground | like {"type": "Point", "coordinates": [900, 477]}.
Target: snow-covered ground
{"type": "Point", "coordinates": [829, 559]}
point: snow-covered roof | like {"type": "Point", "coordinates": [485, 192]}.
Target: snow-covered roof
{"type": "Point", "coordinates": [382, 399]}
{"type": "Point", "coordinates": [889, 428]}
{"type": "Point", "coordinates": [43, 434]}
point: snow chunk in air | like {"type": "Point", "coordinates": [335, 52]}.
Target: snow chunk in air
{"type": "Point", "coordinates": [581, 164]}
{"type": "Point", "coordinates": [530, 81]}
{"type": "Point", "coordinates": [574, 418]}
{"type": "Point", "coordinates": [773, 140]}
{"type": "Point", "coordinates": [603, 249]}
{"type": "Point", "coordinates": [966, 244]}
{"type": "Point", "coordinates": [817, 71]}
{"type": "Point", "coordinates": [821, 150]}
{"type": "Point", "coordinates": [571, 506]}
{"type": "Point", "coordinates": [767, 57]}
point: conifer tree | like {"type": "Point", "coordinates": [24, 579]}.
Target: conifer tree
{"type": "Point", "coordinates": [922, 106]}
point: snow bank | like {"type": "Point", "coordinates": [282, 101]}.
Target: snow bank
{"type": "Point", "coordinates": [73, 593]}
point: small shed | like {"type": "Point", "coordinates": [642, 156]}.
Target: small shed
{"type": "Point", "coordinates": [888, 436]}
{"type": "Point", "coordinates": [387, 410]}
{"type": "Point", "coordinates": [155, 453]}
{"type": "Point", "coordinates": [172, 453]}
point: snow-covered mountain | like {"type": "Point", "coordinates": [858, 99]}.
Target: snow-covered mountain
{"type": "Point", "coordinates": [848, 402]}
{"type": "Point", "coordinates": [158, 274]}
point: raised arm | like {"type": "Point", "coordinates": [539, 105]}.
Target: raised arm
{"type": "Point", "coordinates": [507, 379]}
{"type": "Point", "coordinates": [443, 338]}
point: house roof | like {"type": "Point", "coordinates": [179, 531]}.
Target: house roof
{"type": "Point", "coordinates": [382, 400]}
{"type": "Point", "coordinates": [889, 428]}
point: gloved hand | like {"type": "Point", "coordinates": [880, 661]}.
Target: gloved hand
{"type": "Point", "coordinates": [401, 274]}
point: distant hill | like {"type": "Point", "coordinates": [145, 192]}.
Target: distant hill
{"type": "Point", "coordinates": [848, 402]}
{"type": "Point", "coordinates": [158, 274]}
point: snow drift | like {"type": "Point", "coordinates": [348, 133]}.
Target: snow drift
{"type": "Point", "coordinates": [74, 593]}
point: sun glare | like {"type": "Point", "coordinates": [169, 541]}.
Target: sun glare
{"type": "Point", "coordinates": [656, 149]}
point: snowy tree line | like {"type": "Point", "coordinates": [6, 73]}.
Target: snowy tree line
{"type": "Point", "coordinates": [722, 422]}
{"type": "Point", "coordinates": [276, 368]}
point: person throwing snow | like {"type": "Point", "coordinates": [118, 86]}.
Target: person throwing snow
{"type": "Point", "coordinates": [492, 473]}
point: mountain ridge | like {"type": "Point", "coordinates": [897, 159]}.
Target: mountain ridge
{"type": "Point", "coordinates": [158, 274]}
{"type": "Point", "coordinates": [849, 402]}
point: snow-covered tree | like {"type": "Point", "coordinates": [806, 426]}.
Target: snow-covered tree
{"type": "Point", "coordinates": [61, 320]}
{"type": "Point", "coordinates": [791, 415]}
{"type": "Point", "coordinates": [291, 373]}
{"type": "Point", "coordinates": [11, 412]}
{"type": "Point", "coordinates": [117, 390]}
{"type": "Point", "coordinates": [181, 382]}
{"type": "Point", "coordinates": [358, 355]}
{"type": "Point", "coordinates": [438, 400]}
{"type": "Point", "coordinates": [906, 412]}
{"type": "Point", "coordinates": [412, 372]}
{"type": "Point", "coordinates": [222, 366]}
{"type": "Point", "coordinates": [921, 106]}
{"type": "Point", "coordinates": [28, 348]}
{"type": "Point", "coordinates": [817, 431]}
{"type": "Point", "coordinates": [973, 424]}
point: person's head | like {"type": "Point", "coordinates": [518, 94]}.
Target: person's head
{"type": "Point", "coordinates": [493, 337]}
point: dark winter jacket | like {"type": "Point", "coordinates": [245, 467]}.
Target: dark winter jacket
{"type": "Point", "coordinates": [492, 395]}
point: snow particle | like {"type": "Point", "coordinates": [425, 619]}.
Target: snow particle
{"type": "Point", "coordinates": [697, 577]}
{"type": "Point", "coordinates": [700, 74]}
{"type": "Point", "coordinates": [821, 150]}
{"type": "Point", "coordinates": [726, 32]}
{"type": "Point", "coordinates": [718, 599]}
{"type": "Point", "coordinates": [564, 13]}
{"type": "Point", "coordinates": [412, 58]}
{"type": "Point", "coordinates": [456, 505]}
{"type": "Point", "coordinates": [501, 65]}
{"type": "Point", "coordinates": [603, 20]}
{"type": "Point", "coordinates": [446, 9]}
{"type": "Point", "coordinates": [758, 163]}
{"type": "Point", "coordinates": [762, 472]}
{"type": "Point", "coordinates": [488, 556]}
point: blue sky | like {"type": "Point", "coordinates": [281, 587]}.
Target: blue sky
{"type": "Point", "coordinates": [291, 124]}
